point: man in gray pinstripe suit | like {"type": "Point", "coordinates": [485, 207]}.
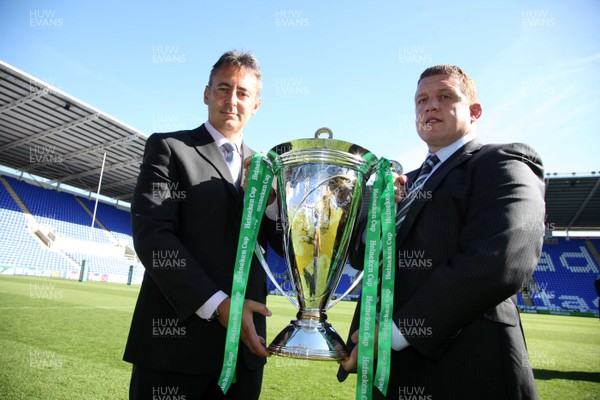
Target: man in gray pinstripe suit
{"type": "Point", "coordinates": [468, 241]}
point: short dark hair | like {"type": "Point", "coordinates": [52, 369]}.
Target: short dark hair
{"type": "Point", "coordinates": [467, 84]}
{"type": "Point", "coordinates": [240, 59]}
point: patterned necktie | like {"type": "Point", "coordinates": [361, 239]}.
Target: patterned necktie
{"type": "Point", "coordinates": [415, 188]}
{"type": "Point", "coordinates": [231, 161]}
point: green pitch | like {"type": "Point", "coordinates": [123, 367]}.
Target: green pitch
{"type": "Point", "coordinates": [64, 340]}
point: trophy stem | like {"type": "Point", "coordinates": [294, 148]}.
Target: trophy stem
{"type": "Point", "coordinates": [309, 337]}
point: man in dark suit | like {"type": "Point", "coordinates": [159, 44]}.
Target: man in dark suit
{"type": "Point", "coordinates": [467, 241]}
{"type": "Point", "coordinates": [186, 216]}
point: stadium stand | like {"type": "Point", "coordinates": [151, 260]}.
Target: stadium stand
{"type": "Point", "coordinates": [58, 210]}
{"type": "Point", "coordinates": [50, 235]}
{"type": "Point", "coordinates": [564, 277]}
{"type": "Point", "coordinates": [19, 249]}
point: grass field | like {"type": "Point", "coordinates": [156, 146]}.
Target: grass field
{"type": "Point", "coordinates": [64, 340]}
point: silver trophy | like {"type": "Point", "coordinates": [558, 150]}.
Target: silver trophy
{"type": "Point", "coordinates": [320, 186]}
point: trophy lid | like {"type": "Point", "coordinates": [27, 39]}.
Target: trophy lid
{"type": "Point", "coordinates": [323, 150]}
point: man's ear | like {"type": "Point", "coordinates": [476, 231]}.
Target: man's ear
{"type": "Point", "coordinates": [206, 91]}
{"type": "Point", "coordinates": [476, 111]}
{"type": "Point", "coordinates": [256, 105]}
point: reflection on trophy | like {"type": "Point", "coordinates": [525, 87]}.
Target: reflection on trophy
{"type": "Point", "coordinates": [320, 185]}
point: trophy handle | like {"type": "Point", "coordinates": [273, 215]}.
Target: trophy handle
{"type": "Point", "coordinates": [324, 131]}
{"type": "Point", "coordinates": [265, 265]}
{"type": "Point", "coordinates": [354, 284]}
{"type": "Point", "coordinates": [396, 167]}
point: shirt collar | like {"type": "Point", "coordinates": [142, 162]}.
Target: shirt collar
{"type": "Point", "coordinates": [220, 139]}
{"type": "Point", "coordinates": [445, 153]}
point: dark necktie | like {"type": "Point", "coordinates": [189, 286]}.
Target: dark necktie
{"type": "Point", "coordinates": [415, 188]}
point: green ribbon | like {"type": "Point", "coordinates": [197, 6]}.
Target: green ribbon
{"type": "Point", "coordinates": [260, 178]}
{"type": "Point", "coordinates": [381, 232]}
{"type": "Point", "coordinates": [388, 230]}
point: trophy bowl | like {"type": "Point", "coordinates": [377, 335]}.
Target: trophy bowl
{"type": "Point", "coordinates": [320, 190]}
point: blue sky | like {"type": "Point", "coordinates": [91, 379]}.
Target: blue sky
{"type": "Point", "coordinates": [351, 66]}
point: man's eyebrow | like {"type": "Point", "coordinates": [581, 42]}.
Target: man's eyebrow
{"type": "Point", "coordinates": [239, 88]}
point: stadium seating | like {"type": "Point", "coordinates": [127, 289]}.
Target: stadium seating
{"type": "Point", "coordinates": [563, 280]}
{"type": "Point", "coordinates": [66, 217]}
{"type": "Point", "coordinates": [117, 221]}
{"type": "Point", "coordinates": [564, 277]}
{"type": "Point", "coordinates": [59, 210]}
{"type": "Point", "coordinates": [23, 251]}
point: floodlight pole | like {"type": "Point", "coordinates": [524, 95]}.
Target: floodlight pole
{"type": "Point", "coordinates": [97, 195]}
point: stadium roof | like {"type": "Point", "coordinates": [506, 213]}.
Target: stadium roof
{"type": "Point", "coordinates": [573, 202]}
{"type": "Point", "coordinates": [46, 132]}
{"type": "Point", "coordinates": [49, 134]}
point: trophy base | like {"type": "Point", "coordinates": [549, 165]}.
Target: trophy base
{"type": "Point", "coordinates": [309, 339]}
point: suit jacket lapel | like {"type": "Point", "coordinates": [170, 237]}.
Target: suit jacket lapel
{"type": "Point", "coordinates": [460, 156]}
{"type": "Point", "coordinates": [208, 150]}
{"type": "Point", "coordinates": [246, 152]}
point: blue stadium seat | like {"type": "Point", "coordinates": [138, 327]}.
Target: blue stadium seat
{"type": "Point", "coordinates": [564, 277]}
